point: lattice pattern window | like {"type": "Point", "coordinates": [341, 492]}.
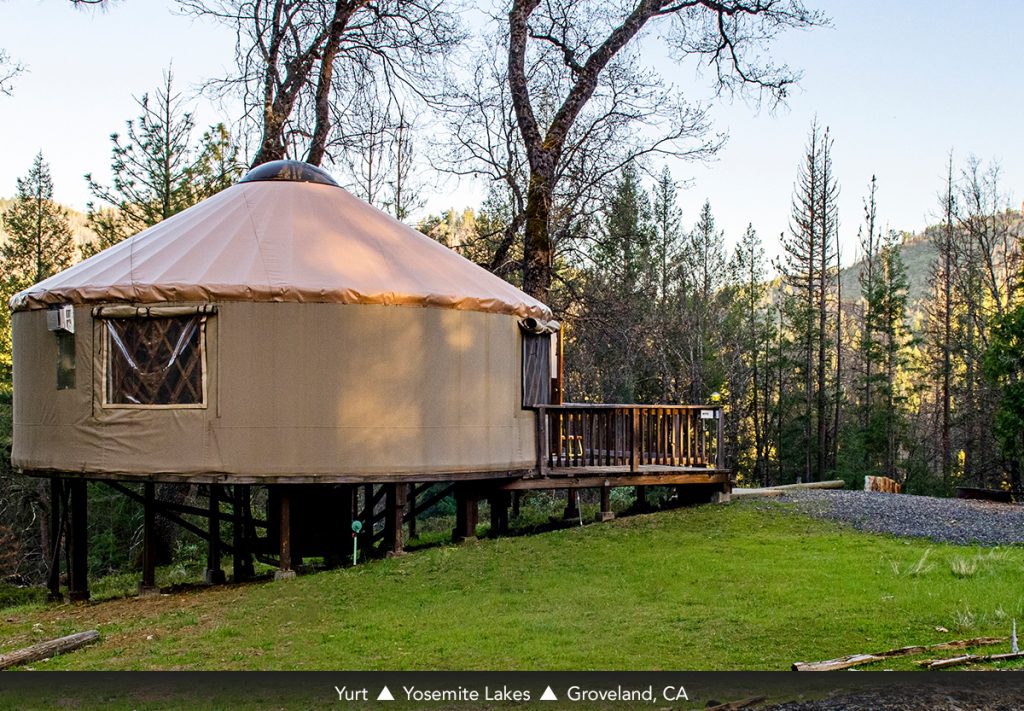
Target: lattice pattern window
{"type": "Point", "coordinates": [155, 362]}
{"type": "Point", "coordinates": [536, 369]}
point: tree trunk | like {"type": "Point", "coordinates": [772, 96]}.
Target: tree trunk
{"type": "Point", "coordinates": [538, 252]}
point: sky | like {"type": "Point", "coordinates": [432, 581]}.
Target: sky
{"type": "Point", "coordinates": [899, 84]}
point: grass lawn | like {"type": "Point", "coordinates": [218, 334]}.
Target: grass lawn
{"type": "Point", "coordinates": [746, 585]}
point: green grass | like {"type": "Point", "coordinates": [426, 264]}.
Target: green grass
{"type": "Point", "coordinates": [742, 586]}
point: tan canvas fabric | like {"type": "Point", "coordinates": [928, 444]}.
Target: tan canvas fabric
{"type": "Point", "coordinates": [282, 242]}
{"type": "Point", "coordinates": [295, 392]}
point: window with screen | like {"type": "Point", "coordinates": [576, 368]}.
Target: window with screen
{"type": "Point", "coordinates": [536, 369]}
{"type": "Point", "coordinates": [155, 362]}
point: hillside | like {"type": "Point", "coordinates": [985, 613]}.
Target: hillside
{"type": "Point", "coordinates": [918, 254]}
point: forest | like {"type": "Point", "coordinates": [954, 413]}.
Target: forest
{"type": "Point", "coordinates": [825, 371]}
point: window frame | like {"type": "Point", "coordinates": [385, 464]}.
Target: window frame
{"type": "Point", "coordinates": [101, 320]}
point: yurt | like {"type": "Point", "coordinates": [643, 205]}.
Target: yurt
{"type": "Point", "coordinates": [281, 332]}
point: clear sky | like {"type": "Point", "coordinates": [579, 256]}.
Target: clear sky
{"type": "Point", "coordinates": [900, 84]}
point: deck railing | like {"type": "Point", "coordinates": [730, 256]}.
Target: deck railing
{"type": "Point", "coordinates": [584, 435]}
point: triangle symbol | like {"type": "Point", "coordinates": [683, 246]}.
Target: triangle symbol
{"type": "Point", "coordinates": [548, 695]}
{"type": "Point", "coordinates": [385, 695]}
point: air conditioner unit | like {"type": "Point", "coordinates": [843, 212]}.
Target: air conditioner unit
{"type": "Point", "coordinates": [61, 318]}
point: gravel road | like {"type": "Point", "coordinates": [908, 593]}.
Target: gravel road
{"type": "Point", "coordinates": [957, 521]}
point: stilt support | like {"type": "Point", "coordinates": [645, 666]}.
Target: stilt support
{"type": "Point", "coordinates": [605, 514]}
{"type": "Point", "coordinates": [395, 500]}
{"type": "Point", "coordinates": [412, 511]}
{"type": "Point", "coordinates": [214, 575]}
{"type": "Point", "coordinates": [466, 513]}
{"type": "Point", "coordinates": [241, 564]}
{"type": "Point", "coordinates": [78, 542]}
{"type": "Point", "coordinates": [572, 506]}
{"type": "Point", "coordinates": [284, 569]}
{"type": "Point", "coordinates": [147, 586]}
{"type": "Point", "coordinates": [499, 501]}
{"type": "Point", "coordinates": [56, 532]}
{"type": "Point", "coordinates": [641, 498]}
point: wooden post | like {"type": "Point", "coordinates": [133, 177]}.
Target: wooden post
{"type": "Point", "coordinates": [56, 532]}
{"type": "Point", "coordinates": [214, 575]}
{"type": "Point", "coordinates": [641, 498]}
{"type": "Point", "coordinates": [412, 511]}
{"type": "Point", "coordinates": [605, 514]}
{"type": "Point", "coordinates": [719, 449]}
{"type": "Point", "coordinates": [285, 569]}
{"type": "Point", "coordinates": [241, 563]}
{"type": "Point", "coordinates": [634, 440]}
{"type": "Point", "coordinates": [394, 513]}
{"type": "Point", "coordinates": [516, 502]}
{"type": "Point", "coordinates": [572, 507]}
{"type": "Point", "coordinates": [78, 540]}
{"type": "Point", "coordinates": [499, 501]}
{"type": "Point", "coordinates": [340, 549]}
{"type": "Point", "coordinates": [367, 512]}
{"type": "Point", "coordinates": [368, 515]}
{"type": "Point", "coordinates": [541, 435]}
{"type": "Point", "coordinates": [466, 513]}
{"type": "Point", "coordinates": [147, 586]}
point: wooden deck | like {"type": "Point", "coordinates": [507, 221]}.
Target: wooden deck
{"type": "Point", "coordinates": [607, 438]}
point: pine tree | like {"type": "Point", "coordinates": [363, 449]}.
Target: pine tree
{"type": "Point", "coordinates": [668, 253]}
{"type": "Point", "coordinates": [611, 342]}
{"type": "Point", "coordinates": [704, 269]}
{"type": "Point", "coordinates": [40, 243]}
{"type": "Point", "coordinates": [895, 337]}
{"type": "Point", "coordinates": [884, 341]}
{"type": "Point", "coordinates": [157, 172]}
{"type": "Point", "coordinates": [809, 276]}
{"type": "Point", "coordinates": [752, 342]}
{"type": "Point", "coordinates": [668, 231]}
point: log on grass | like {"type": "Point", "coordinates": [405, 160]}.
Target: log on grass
{"type": "Point", "coordinates": [43, 650]}
{"type": "Point", "coordinates": [969, 659]}
{"type": "Point", "coordinates": [782, 488]}
{"type": "Point", "coordinates": [854, 660]}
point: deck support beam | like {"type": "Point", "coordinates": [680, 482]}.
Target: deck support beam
{"type": "Point", "coordinates": [572, 505]}
{"type": "Point", "coordinates": [394, 513]}
{"type": "Point", "coordinates": [499, 501]}
{"type": "Point", "coordinates": [284, 568]}
{"type": "Point", "coordinates": [241, 559]}
{"type": "Point", "coordinates": [78, 542]}
{"type": "Point", "coordinates": [641, 498]}
{"type": "Point", "coordinates": [147, 586]}
{"type": "Point", "coordinates": [214, 575]}
{"type": "Point", "coordinates": [586, 478]}
{"type": "Point", "coordinates": [412, 511]}
{"type": "Point", "coordinates": [605, 514]}
{"type": "Point", "coordinates": [467, 511]}
{"type": "Point", "coordinates": [56, 532]}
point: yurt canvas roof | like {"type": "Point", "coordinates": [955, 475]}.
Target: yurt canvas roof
{"type": "Point", "coordinates": [281, 240]}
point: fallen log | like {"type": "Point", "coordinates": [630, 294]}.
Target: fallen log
{"type": "Point", "coordinates": [774, 490]}
{"type": "Point", "coordinates": [43, 650]}
{"type": "Point", "coordinates": [969, 659]}
{"type": "Point", "coordinates": [854, 660]}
